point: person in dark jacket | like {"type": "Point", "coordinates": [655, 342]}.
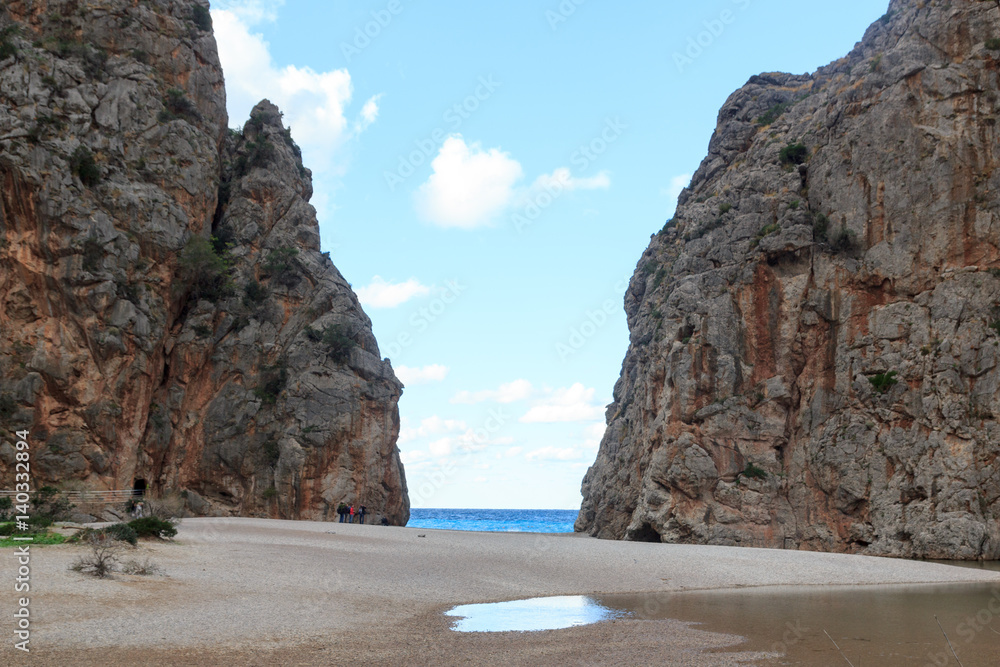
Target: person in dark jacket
{"type": "Point", "coordinates": [364, 510]}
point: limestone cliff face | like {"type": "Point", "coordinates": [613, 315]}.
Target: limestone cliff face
{"type": "Point", "coordinates": [815, 335]}
{"type": "Point", "coordinates": [167, 313]}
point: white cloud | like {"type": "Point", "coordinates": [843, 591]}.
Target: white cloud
{"type": "Point", "coordinates": [251, 11]}
{"type": "Point", "coordinates": [562, 179]}
{"type": "Point", "coordinates": [469, 187]}
{"type": "Point", "coordinates": [384, 294]}
{"type": "Point", "coordinates": [480, 480]}
{"type": "Point", "coordinates": [430, 426]}
{"type": "Point", "coordinates": [507, 393]}
{"type": "Point", "coordinates": [410, 458]}
{"type": "Point", "coordinates": [513, 451]}
{"type": "Point", "coordinates": [565, 405]}
{"type": "Point", "coordinates": [677, 183]}
{"type": "Point", "coordinates": [314, 103]}
{"type": "Point", "coordinates": [369, 112]}
{"type": "Point", "coordinates": [422, 375]}
{"type": "Point", "coordinates": [442, 447]}
{"type": "Point", "coordinates": [553, 454]}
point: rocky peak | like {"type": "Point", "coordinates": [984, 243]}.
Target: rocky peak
{"type": "Point", "coordinates": [169, 319]}
{"type": "Point", "coordinates": [814, 334]}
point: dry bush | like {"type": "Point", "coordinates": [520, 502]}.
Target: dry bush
{"type": "Point", "coordinates": [103, 559]}
{"type": "Point", "coordinates": [146, 568]}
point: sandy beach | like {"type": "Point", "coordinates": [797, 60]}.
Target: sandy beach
{"type": "Point", "coordinates": [260, 592]}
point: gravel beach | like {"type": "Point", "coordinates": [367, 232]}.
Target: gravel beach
{"type": "Point", "coordinates": [259, 592]}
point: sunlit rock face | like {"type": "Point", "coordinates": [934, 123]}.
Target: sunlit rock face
{"type": "Point", "coordinates": [168, 318]}
{"type": "Point", "coordinates": [815, 334]}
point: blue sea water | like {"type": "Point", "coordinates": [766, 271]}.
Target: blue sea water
{"type": "Point", "coordinates": [503, 521]}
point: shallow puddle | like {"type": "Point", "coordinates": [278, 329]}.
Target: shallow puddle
{"type": "Point", "coordinates": [872, 625]}
{"type": "Point", "coordinates": [549, 613]}
{"type": "Point", "coordinates": [883, 625]}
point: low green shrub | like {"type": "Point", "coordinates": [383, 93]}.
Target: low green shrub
{"type": "Point", "coordinates": [204, 270]}
{"type": "Point", "coordinates": [754, 472]}
{"type": "Point", "coordinates": [883, 382]}
{"type": "Point", "coordinates": [793, 154]}
{"type": "Point", "coordinates": [151, 526]}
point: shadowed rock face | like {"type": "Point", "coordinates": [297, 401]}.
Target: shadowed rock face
{"type": "Point", "coordinates": [239, 370]}
{"type": "Point", "coordinates": [815, 334]}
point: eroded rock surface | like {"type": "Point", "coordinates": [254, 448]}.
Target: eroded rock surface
{"type": "Point", "coordinates": [815, 335]}
{"type": "Point", "coordinates": [167, 313]}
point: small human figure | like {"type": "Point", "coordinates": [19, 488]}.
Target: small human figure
{"type": "Point", "coordinates": [385, 522]}
{"type": "Point", "coordinates": [364, 510]}
{"type": "Point", "coordinates": [342, 511]}
{"type": "Point", "coordinates": [138, 510]}
{"type": "Point", "coordinates": [352, 512]}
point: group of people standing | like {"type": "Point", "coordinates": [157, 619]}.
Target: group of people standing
{"type": "Point", "coordinates": [348, 512]}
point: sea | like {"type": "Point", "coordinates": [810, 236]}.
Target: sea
{"type": "Point", "coordinates": [495, 521]}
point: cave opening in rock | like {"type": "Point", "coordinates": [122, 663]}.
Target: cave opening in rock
{"type": "Point", "coordinates": [139, 487]}
{"type": "Point", "coordinates": [645, 534]}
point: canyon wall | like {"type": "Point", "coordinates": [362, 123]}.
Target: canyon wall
{"type": "Point", "coordinates": [815, 334]}
{"type": "Point", "coordinates": [168, 318]}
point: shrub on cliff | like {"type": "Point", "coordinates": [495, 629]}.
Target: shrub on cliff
{"type": "Point", "coordinates": [282, 267]}
{"type": "Point", "coordinates": [793, 154]}
{"type": "Point", "coordinates": [7, 47]}
{"type": "Point", "coordinates": [883, 382]}
{"type": "Point", "coordinates": [335, 340]}
{"type": "Point", "coordinates": [204, 270]}
{"type": "Point", "coordinates": [82, 164]}
{"type": "Point", "coordinates": [272, 382]}
{"type": "Point", "coordinates": [201, 18]}
{"type": "Point", "coordinates": [178, 106]}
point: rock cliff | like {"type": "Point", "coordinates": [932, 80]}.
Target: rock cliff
{"type": "Point", "coordinates": [815, 334]}
{"type": "Point", "coordinates": [168, 319]}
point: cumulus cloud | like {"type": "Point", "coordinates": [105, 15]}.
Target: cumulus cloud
{"type": "Point", "coordinates": [430, 426]}
{"type": "Point", "coordinates": [569, 404]}
{"type": "Point", "coordinates": [562, 179]}
{"type": "Point", "coordinates": [421, 375]}
{"type": "Point", "coordinates": [381, 293]}
{"type": "Point", "coordinates": [315, 104]}
{"type": "Point", "coordinates": [513, 451]}
{"type": "Point", "coordinates": [411, 458]}
{"type": "Point", "coordinates": [469, 187]}
{"type": "Point", "coordinates": [507, 393]}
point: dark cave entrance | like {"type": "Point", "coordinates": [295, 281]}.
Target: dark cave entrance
{"type": "Point", "coordinates": [645, 534]}
{"type": "Point", "coordinates": [139, 488]}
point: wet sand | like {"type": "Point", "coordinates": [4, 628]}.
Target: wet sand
{"type": "Point", "coordinates": [254, 591]}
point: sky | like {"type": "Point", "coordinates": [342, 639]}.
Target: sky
{"type": "Point", "coordinates": [487, 176]}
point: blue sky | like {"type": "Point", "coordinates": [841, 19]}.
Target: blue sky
{"type": "Point", "coordinates": [487, 175]}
